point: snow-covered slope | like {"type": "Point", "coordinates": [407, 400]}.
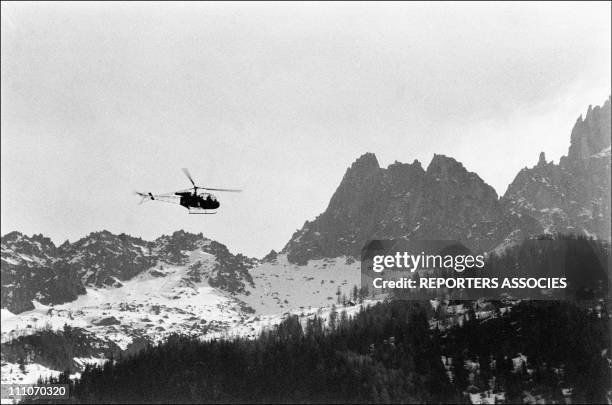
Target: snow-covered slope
{"type": "Point", "coordinates": [184, 297]}
{"type": "Point", "coordinates": [152, 304]}
{"type": "Point", "coordinates": [280, 285]}
{"type": "Point", "coordinates": [167, 299]}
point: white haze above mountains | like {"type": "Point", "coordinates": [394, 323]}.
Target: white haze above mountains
{"type": "Point", "coordinates": [278, 99]}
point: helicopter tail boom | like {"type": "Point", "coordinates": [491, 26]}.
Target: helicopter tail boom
{"type": "Point", "coordinates": [145, 196]}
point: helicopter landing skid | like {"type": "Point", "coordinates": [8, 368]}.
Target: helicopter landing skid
{"type": "Point", "coordinates": [201, 211]}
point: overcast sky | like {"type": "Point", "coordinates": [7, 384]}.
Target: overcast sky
{"type": "Point", "coordinates": [99, 100]}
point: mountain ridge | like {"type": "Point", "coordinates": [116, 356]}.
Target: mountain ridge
{"type": "Point", "coordinates": [33, 268]}
{"type": "Point", "coordinates": [446, 201]}
{"type": "Point", "coordinates": [572, 196]}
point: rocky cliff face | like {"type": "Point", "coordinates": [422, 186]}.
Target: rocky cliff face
{"type": "Point", "coordinates": [103, 259]}
{"type": "Point", "coordinates": [405, 201]}
{"type": "Point", "coordinates": [33, 268]}
{"type": "Point", "coordinates": [574, 195]}
{"type": "Point", "coordinates": [446, 201]}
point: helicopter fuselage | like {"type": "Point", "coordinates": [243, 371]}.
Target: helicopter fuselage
{"type": "Point", "coordinates": [204, 201]}
{"type": "Point", "coordinates": [196, 202]}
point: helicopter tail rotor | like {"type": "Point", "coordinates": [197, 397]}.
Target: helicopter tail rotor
{"type": "Point", "coordinates": [144, 197]}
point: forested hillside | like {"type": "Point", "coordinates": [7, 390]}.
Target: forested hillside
{"type": "Point", "coordinates": [383, 354]}
{"type": "Point", "coordinates": [386, 353]}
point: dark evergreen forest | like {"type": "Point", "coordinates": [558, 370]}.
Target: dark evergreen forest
{"type": "Point", "coordinates": [385, 354]}
{"type": "Point", "coordinates": [396, 351]}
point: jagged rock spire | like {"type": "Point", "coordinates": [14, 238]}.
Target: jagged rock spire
{"type": "Point", "coordinates": [542, 159]}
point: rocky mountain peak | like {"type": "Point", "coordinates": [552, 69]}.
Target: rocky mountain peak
{"type": "Point", "coordinates": [32, 249]}
{"type": "Point", "coordinates": [446, 201]}
{"type": "Point", "coordinates": [170, 248]}
{"type": "Point", "coordinates": [103, 239]}
{"type": "Point", "coordinates": [367, 161]}
{"type": "Point", "coordinates": [442, 164]}
{"type": "Point", "coordinates": [33, 269]}
{"type": "Point", "coordinates": [574, 195]}
{"type": "Point", "coordinates": [542, 159]}
{"type": "Point", "coordinates": [590, 135]}
{"type": "Point", "coordinates": [182, 237]}
{"type": "Point", "coordinates": [12, 237]}
{"type": "Point", "coordinates": [364, 173]}
{"type": "Point", "coordinates": [401, 201]}
{"type": "Point", "coordinates": [451, 177]}
{"type": "Point", "coordinates": [17, 237]}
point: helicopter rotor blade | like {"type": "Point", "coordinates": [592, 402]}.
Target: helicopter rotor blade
{"type": "Point", "coordinates": [196, 187]}
{"type": "Point", "coordinates": [231, 190]}
{"type": "Point", "coordinates": [189, 177]}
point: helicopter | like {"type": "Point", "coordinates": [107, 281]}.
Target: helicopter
{"type": "Point", "coordinates": [195, 201]}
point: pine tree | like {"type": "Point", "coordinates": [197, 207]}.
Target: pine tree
{"type": "Point", "coordinates": [333, 316]}
{"type": "Point", "coordinates": [22, 366]}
